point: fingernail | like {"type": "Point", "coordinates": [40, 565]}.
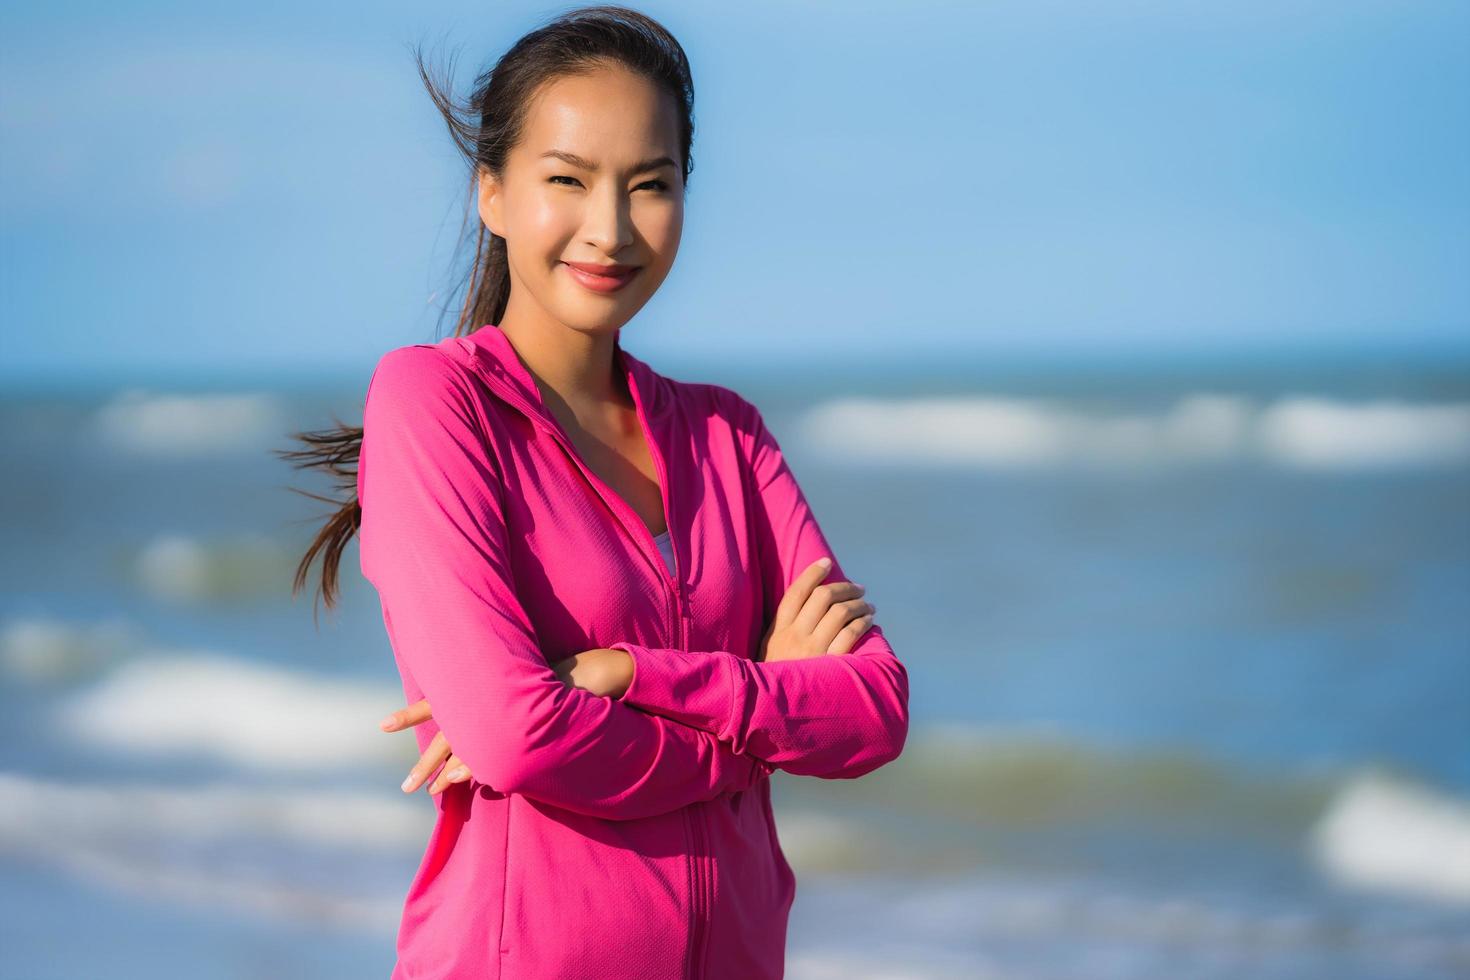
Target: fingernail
{"type": "Point", "coordinates": [825, 562]}
{"type": "Point", "coordinates": [388, 722]}
{"type": "Point", "coordinates": [458, 774]}
{"type": "Point", "coordinates": [407, 782]}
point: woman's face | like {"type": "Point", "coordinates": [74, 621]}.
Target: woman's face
{"type": "Point", "coordinates": [615, 194]}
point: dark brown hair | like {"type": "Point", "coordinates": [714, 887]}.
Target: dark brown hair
{"type": "Point", "coordinates": [485, 128]}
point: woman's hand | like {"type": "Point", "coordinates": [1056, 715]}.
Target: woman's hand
{"type": "Point", "coordinates": [437, 757]}
{"type": "Point", "coordinates": [817, 618]}
{"type": "Point", "coordinates": [606, 673]}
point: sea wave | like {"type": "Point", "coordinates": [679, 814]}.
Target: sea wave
{"type": "Point", "coordinates": [1384, 833]}
{"type": "Point", "coordinates": [290, 857]}
{"type": "Point", "coordinates": [44, 650]}
{"type": "Point", "coordinates": [1367, 826]}
{"type": "Point", "coordinates": [188, 568]}
{"type": "Point", "coordinates": [1297, 432]}
{"type": "Point", "coordinates": [139, 421]}
{"type": "Point", "coordinates": [273, 852]}
{"type": "Point", "coordinates": [1362, 826]}
{"type": "Point", "coordinates": [226, 709]}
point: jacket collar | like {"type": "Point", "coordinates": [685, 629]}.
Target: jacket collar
{"type": "Point", "coordinates": [493, 358]}
{"type": "Point", "coordinates": [497, 361]}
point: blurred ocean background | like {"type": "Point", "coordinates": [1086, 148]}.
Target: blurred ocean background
{"type": "Point", "coordinates": [1123, 350]}
{"type": "Point", "coordinates": [1189, 648]}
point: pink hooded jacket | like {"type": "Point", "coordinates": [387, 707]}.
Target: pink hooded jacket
{"type": "Point", "coordinates": [600, 837]}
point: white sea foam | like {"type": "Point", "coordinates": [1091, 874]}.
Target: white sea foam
{"type": "Point", "coordinates": [1315, 433]}
{"type": "Point", "coordinates": [1365, 827]}
{"type": "Point", "coordinates": [69, 814]}
{"type": "Point", "coordinates": [248, 714]}
{"type": "Point", "coordinates": [1012, 433]}
{"type": "Point", "coordinates": [1386, 833]}
{"type": "Point", "coordinates": [139, 421]}
{"type": "Point", "coordinates": [44, 650]}
{"type": "Point", "coordinates": [192, 843]}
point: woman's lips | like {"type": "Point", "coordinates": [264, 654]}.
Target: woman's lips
{"type": "Point", "coordinates": [599, 283]}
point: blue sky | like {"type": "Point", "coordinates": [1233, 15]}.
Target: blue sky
{"type": "Point", "coordinates": [269, 188]}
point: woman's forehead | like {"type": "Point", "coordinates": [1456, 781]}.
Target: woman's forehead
{"type": "Point", "coordinates": [614, 120]}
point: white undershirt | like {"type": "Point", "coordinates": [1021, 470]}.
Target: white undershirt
{"type": "Point", "coordinates": [666, 549]}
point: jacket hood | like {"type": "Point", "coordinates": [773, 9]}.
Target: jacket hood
{"type": "Point", "coordinates": [496, 360]}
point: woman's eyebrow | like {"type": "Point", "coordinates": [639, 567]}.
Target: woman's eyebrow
{"type": "Point", "coordinates": [566, 156]}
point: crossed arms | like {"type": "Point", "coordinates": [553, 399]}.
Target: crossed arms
{"type": "Point", "coordinates": [691, 727]}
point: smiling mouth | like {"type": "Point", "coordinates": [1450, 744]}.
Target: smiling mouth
{"type": "Point", "coordinates": [597, 279]}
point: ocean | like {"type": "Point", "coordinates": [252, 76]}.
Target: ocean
{"type": "Point", "coordinates": [1189, 646]}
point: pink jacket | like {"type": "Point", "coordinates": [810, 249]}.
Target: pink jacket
{"type": "Point", "coordinates": [600, 837]}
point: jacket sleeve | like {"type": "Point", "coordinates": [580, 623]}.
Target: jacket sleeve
{"type": "Point", "coordinates": [837, 716]}
{"type": "Point", "coordinates": [432, 540]}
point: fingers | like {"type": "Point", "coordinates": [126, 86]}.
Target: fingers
{"type": "Point", "coordinates": [800, 591]}
{"type": "Point", "coordinates": [454, 771]}
{"type": "Point", "coordinates": [822, 601]}
{"type": "Point", "coordinates": [816, 617]}
{"type": "Point", "coordinates": [407, 717]}
{"type": "Point", "coordinates": [428, 762]}
{"type": "Point", "coordinates": [838, 618]}
{"type": "Point", "coordinates": [848, 636]}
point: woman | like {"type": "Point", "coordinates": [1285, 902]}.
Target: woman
{"type": "Point", "coordinates": [612, 610]}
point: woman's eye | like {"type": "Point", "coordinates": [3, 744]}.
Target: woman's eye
{"type": "Point", "coordinates": [656, 184]}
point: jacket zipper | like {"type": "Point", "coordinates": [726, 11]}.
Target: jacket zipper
{"type": "Point", "coordinates": [698, 900]}
{"type": "Point", "coordinates": [673, 583]}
